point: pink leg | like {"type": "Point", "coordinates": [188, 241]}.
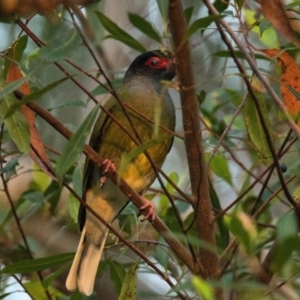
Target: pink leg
{"type": "Point", "coordinates": [107, 166]}
{"type": "Point", "coordinates": [151, 210]}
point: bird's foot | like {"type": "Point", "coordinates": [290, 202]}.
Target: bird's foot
{"type": "Point", "coordinates": [106, 167]}
{"type": "Point", "coordinates": [151, 211]}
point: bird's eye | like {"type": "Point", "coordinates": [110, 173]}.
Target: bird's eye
{"type": "Point", "coordinates": [153, 63]}
{"type": "Point", "coordinates": [158, 63]}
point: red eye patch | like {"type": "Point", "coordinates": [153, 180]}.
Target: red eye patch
{"type": "Point", "coordinates": [156, 62]}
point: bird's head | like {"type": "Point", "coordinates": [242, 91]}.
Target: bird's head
{"type": "Point", "coordinates": [155, 65]}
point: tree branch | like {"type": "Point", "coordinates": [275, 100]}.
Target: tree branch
{"type": "Point", "coordinates": [193, 144]}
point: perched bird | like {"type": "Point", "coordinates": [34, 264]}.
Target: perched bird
{"type": "Point", "coordinates": [144, 90]}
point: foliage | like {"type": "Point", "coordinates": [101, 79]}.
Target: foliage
{"type": "Point", "coordinates": [53, 67]}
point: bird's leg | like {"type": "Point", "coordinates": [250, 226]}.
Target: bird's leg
{"type": "Point", "coordinates": [151, 210]}
{"type": "Point", "coordinates": [107, 166]}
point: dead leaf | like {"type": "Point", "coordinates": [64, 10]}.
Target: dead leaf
{"type": "Point", "coordinates": [37, 149]}
{"type": "Point", "coordinates": [290, 77]}
{"type": "Point", "coordinates": [274, 12]}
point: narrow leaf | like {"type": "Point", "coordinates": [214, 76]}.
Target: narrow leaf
{"type": "Point", "coordinates": [8, 89]}
{"type": "Point", "coordinates": [163, 6]}
{"type": "Point", "coordinates": [188, 12]}
{"type": "Point", "coordinates": [14, 54]}
{"type": "Point", "coordinates": [255, 130]}
{"type": "Point", "coordinates": [34, 96]}
{"type": "Point", "coordinates": [75, 144]}
{"type": "Point", "coordinates": [200, 24]}
{"type": "Point", "coordinates": [144, 26]}
{"type": "Point", "coordinates": [118, 33]}
{"type": "Point", "coordinates": [32, 265]}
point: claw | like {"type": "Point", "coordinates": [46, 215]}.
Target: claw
{"type": "Point", "coordinates": [107, 166]}
{"type": "Point", "coordinates": [151, 211]}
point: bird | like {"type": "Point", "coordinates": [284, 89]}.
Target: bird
{"type": "Point", "coordinates": [146, 130]}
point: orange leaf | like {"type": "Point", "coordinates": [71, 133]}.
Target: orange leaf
{"type": "Point", "coordinates": [37, 149]}
{"type": "Point", "coordinates": [289, 78]}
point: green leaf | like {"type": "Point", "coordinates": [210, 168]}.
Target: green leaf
{"type": "Point", "coordinates": [76, 295]}
{"type": "Point", "coordinates": [52, 195]}
{"type": "Point", "coordinates": [243, 229]}
{"type": "Point", "coordinates": [16, 124]}
{"type": "Point", "coordinates": [10, 167]}
{"type": "Point", "coordinates": [99, 90]}
{"type": "Point", "coordinates": [255, 129]}
{"type": "Point", "coordinates": [221, 5]}
{"type": "Point", "coordinates": [75, 144]}
{"type": "Point", "coordinates": [239, 3]}
{"type": "Point", "coordinates": [14, 54]}
{"type": "Point", "coordinates": [188, 12]}
{"type": "Point", "coordinates": [128, 291]}
{"type": "Point", "coordinates": [117, 274]}
{"type": "Point", "coordinates": [174, 177]}
{"type": "Point", "coordinates": [144, 26]}
{"type": "Point", "coordinates": [37, 291]}
{"type": "Point", "coordinates": [264, 25]}
{"type": "Point", "coordinates": [287, 226]}
{"type": "Point", "coordinates": [200, 24]}
{"type": "Point", "coordinates": [70, 103]}
{"type": "Point", "coordinates": [219, 165]}
{"type": "Point", "coordinates": [118, 33]}
{"type": "Point", "coordinates": [163, 6]}
{"type": "Point", "coordinates": [8, 89]}
{"type": "Point", "coordinates": [73, 203]}
{"type": "Point", "coordinates": [283, 252]}
{"type": "Point", "coordinates": [49, 279]}
{"type": "Point", "coordinates": [34, 96]}
{"type": "Point", "coordinates": [60, 47]}
{"type": "Point", "coordinates": [238, 54]}
{"type": "Point", "coordinates": [38, 264]}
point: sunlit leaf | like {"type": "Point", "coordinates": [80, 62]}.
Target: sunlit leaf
{"type": "Point", "coordinates": [204, 289]}
{"type": "Point", "coordinates": [242, 227]}
{"type": "Point", "coordinates": [37, 290]}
